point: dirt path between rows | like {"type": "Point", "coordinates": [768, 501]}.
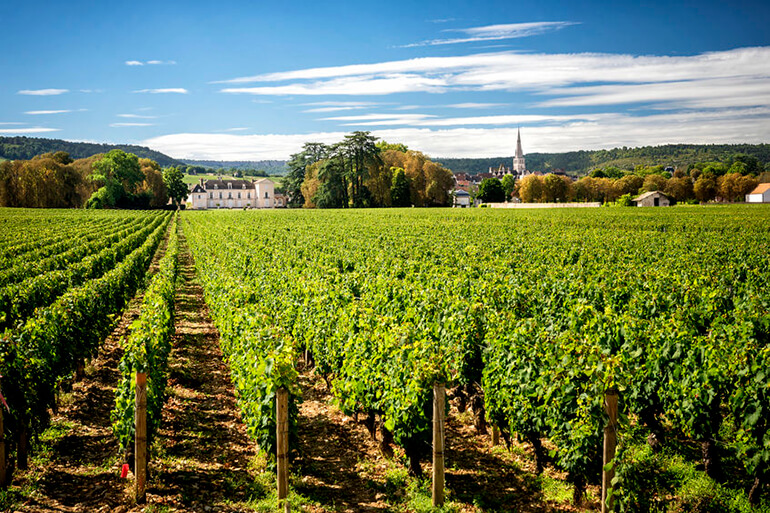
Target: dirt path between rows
{"type": "Point", "coordinates": [204, 450]}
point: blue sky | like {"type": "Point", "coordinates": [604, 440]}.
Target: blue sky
{"type": "Point", "coordinates": [254, 80]}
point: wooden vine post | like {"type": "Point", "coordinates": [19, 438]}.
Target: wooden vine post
{"type": "Point", "coordinates": [438, 444]}
{"type": "Point", "coordinates": [282, 445]}
{"type": "Point", "coordinates": [495, 436]}
{"type": "Point", "coordinates": [140, 449]}
{"type": "Point", "coordinates": [610, 443]}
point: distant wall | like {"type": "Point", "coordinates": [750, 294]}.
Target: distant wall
{"type": "Point", "coordinates": [543, 205]}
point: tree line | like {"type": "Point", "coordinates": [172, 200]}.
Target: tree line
{"type": "Point", "coordinates": [701, 182]}
{"type": "Point", "coordinates": [26, 148]}
{"type": "Point", "coordinates": [582, 162]}
{"type": "Point", "coordinates": [113, 180]}
{"type": "Point", "coordinates": [361, 171]}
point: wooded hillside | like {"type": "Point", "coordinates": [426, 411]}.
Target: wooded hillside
{"type": "Point", "coordinates": [25, 148]}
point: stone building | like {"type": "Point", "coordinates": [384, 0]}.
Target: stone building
{"type": "Point", "coordinates": [219, 193]}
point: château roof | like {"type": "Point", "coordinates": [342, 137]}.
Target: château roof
{"type": "Point", "coordinates": [228, 184]}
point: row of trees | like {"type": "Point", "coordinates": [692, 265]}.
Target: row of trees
{"type": "Point", "coordinates": [361, 172]}
{"type": "Point", "coordinates": [113, 180]}
{"type": "Point", "coordinates": [703, 181]}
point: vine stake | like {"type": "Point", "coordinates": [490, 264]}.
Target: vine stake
{"type": "Point", "coordinates": [610, 443]}
{"type": "Point", "coordinates": [438, 444]}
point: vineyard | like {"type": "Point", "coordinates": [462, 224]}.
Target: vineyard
{"type": "Point", "coordinates": [529, 319]}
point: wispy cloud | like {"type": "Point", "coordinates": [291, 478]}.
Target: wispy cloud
{"type": "Point", "coordinates": [43, 92]}
{"type": "Point", "coordinates": [11, 123]}
{"type": "Point", "coordinates": [121, 125]}
{"type": "Point", "coordinates": [474, 105]}
{"type": "Point", "coordinates": [441, 20]}
{"type": "Point", "coordinates": [236, 129]}
{"type": "Point", "coordinates": [136, 116]}
{"type": "Point", "coordinates": [497, 32]}
{"type": "Point", "coordinates": [172, 90]}
{"type": "Point", "coordinates": [88, 91]}
{"type": "Point", "coordinates": [32, 130]}
{"type": "Point", "coordinates": [337, 106]}
{"type": "Point", "coordinates": [64, 111]}
{"type": "Point", "coordinates": [709, 80]}
{"type": "Point", "coordinates": [150, 63]}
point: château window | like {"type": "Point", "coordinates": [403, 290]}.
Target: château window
{"type": "Point", "coordinates": [220, 195]}
{"type": "Point", "coordinates": [266, 196]}
{"type": "Point", "coordinates": [239, 195]}
{"type": "Point", "coordinates": [211, 195]}
{"type": "Point", "coordinates": [248, 195]}
{"type": "Point", "coordinates": [229, 195]}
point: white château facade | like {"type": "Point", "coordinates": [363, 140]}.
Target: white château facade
{"type": "Point", "coordinates": [211, 194]}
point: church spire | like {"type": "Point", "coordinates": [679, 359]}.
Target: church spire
{"type": "Point", "coordinates": [519, 167]}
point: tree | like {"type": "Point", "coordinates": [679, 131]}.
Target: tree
{"type": "Point", "coordinates": [399, 191]}
{"type": "Point", "coordinates": [531, 189]}
{"type": "Point", "coordinates": [734, 186]}
{"type": "Point", "coordinates": [298, 163]}
{"type": "Point", "coordinates": [361, 152]}
{"type": "Point", "coordinates": [331, 191]}
{"type": "Point", "coordinates": [174, 180]}
{"type": "Point", "coordinates": [705, 188]}
{"type": "Point", "coordinates": [153, 186]}
{"type": "Point", "coordinates": [679, 188]}
{"type": "Point", "coordinates": [117, 173]}
{"type": "Point", "coordinates": [509, 184]}
{"type": "Point", "coordinates": [385, 146]}
{"type": "Point", "coordinates": [555, 189]}
{"type": "Point", "coordinates": [491, 191]}
{"type": "Point", "coordinates": [654, 182]}
{"type": "Point", "coordinates": [629, 184]}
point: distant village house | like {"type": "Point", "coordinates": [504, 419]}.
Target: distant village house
{"type": "Point", "coordinates": [759, 195]}
{"type": "Point", "coordinates": [652, 199]}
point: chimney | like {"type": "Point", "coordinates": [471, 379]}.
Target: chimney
{"type": "Point", "coordinates": [201, 182]}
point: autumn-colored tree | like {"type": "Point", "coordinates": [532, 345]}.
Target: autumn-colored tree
{"type": "Point", "coordinates": [734, 186]}
{"type": "Point", "coordinates": [654, 182]}
{"type": "Point", "coordinates": [705, 188]}
{"type": "Point", "coordinates": [153, 184]}
{"type": "Point", "coordinates": [531, 189]}
{"type": "Point", "coordinates": [629, 184]}
{"type": "Point", "coordinates": [679, 188]}
{"type": "Point", "coordinates": [310, 184]}
{"type": "Point", "coordinates": [556, 189]}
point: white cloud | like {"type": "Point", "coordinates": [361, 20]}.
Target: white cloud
{"type": "Point", "coordinates": [136, 116]}
{"type": "Point", "coordinates": [236, 129]}
{"type": "Point", "coordinates": [11, 123]}
{"type": "Point", "coordinates": [43, 92]}
{"type": "Point", "coordinates": [574, 79]}
{"type": "Point", "coordinates": [42, 112]}
{"type": "Point", "coordinates": [602, 131]}
{"type": "Point", "coordinates": [424, 120]}
{"type": "Point", "coordinates": [87, 91]}
{"type": "Point", "coordinates": [151, 63]}
{"type": "Point", "coordinates": [366, 85]}
{"type": "Point", "coordinates": [33, 130]}
{"type": "Point", "coordinates": [475, 105]}
{"type": "Point", "coordinates": [121, 125]}
{"type": "Point", "coordinates": [174, 90]}
{"type": "Point", "coordinates": [497, 32]}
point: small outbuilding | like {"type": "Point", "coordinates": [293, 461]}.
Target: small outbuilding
{"type": "Point", "coordinates": [462, 198]}
{"type": "Point", "coordinates": [652, 199]}
{"type": "Point", "coordinates": [759, 195]}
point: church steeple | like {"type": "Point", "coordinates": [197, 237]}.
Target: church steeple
{"type": "Point", "coordinates": [519, 166]}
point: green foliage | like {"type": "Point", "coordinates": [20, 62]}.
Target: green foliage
{"type": "Point", "coordinates": [399, 190]}
{"type": "Point", "coordinates": [37, 354]}
{"type": "Point", "coordinates": [509, 184]}
{"type": "Point", "coordinates": [174, 180]}
{"type": "Point", "coordinates": [491, 191]}
{"type": "Point", "coordinates": [25, 148]}
{"type": "Point", "coordinates": [147, 349]}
